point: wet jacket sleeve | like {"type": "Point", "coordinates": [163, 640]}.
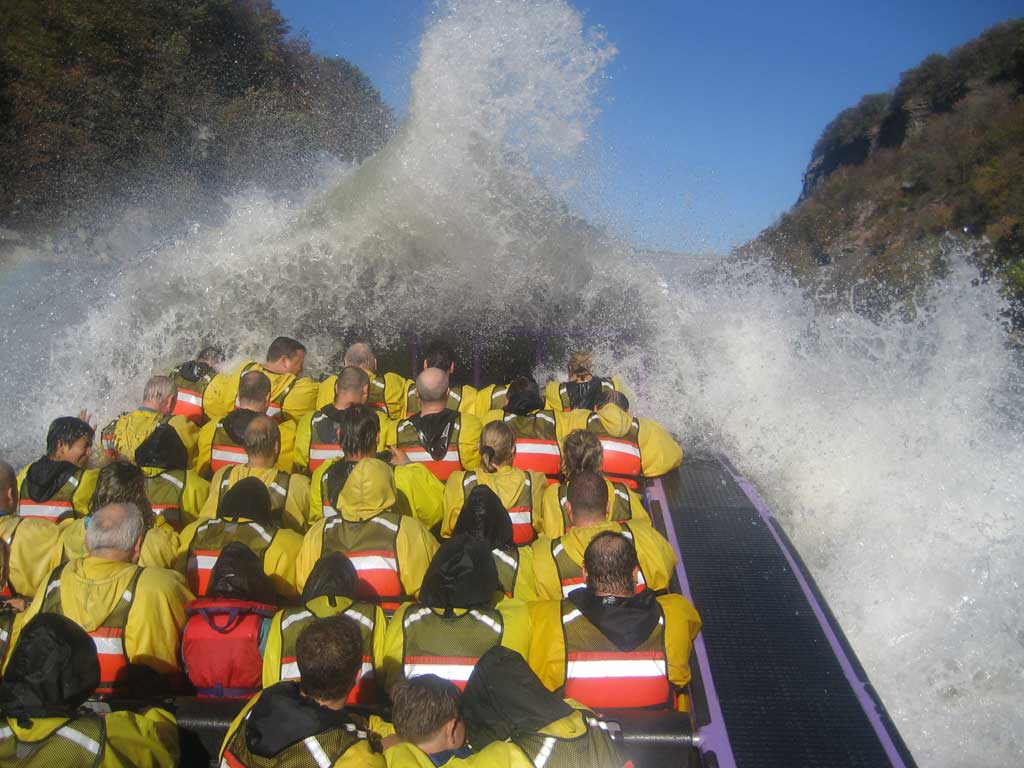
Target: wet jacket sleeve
{"type": "Point", "coordinates": [569, 421]}
{"type": "Point", "coordinates": [657, 558]}
{"type": "Point", "coordinates": [219, 397]}
{"type": "Point", "coordinates": [545, 575]}
{"type": "Point", "coordinates": [454, 498]}
{"type": "Point", "coordinates": [483, 403]}
{"type": "Point", "coordinates": [157, 618]}
{"type": "Point", "coordinates": [416, 547]}
{"type": "Point", "coordinates": [303, 438]}
{"type": "Point", "coordinates": [309, 553]}
{"type": "Point", "coordinates": [469, 441]}
{"type": "Point", "coordinates": [538, 484]}
{"type": "Point", "coordinates": [302, 399]}
{"type": "Point", "coordinates": [516, 616]}
{"type": "Point", "coordinates": [551, 523]}
{"type": "Point", "coordinates": [31, 551]}
{"type": "Point", "coordinates": [659, 453]}
{"type": "Point", "coordinates": [394, 394]}
{"type": "Point", "coordinates": [394, 648]}
{"type": "Point", "coordinates": [316, 500]}
{"type": "Point", "coordinates": [682, 623]}
{"type": "Point", "coordinates": [547, 643]}
{"type": "Point", "coordinates": [204, 449]}
{"type": "Point", "coordinates": [280, 561]}
{"type": "Point", "coordinates": [325, 392]}
{"type": "Point", "coordinates": [286, 459]}
{"type": "Point", "coordinates": [149, 740]}
{"type": "Point", "coordinates": [526, 585]}
{"type": "Point", "coordinates": [296, 504]}
{"type": "Point", "coordinates": [213, 498]}
{"type": "Point", "coordinates": [184, 542]}
{"type": "Point", "coordinates": [197, 490]}
{"type": "Point", "coordinates": [421, 493]}
{"type": "Point", "coordinates": [189, 434]}
{"type": "Point", "coordinates": [388, 431]}
{"type": "Point", "coordinates": [636, 507]}
{"type": "Point", "coordinates": [272, 652]}
{"type": "Point", "coordinates": [469, 400]}
{"type": "Point", "coordinates": [82, 498]}
{"type": "Point", "coordinates": [160, 548]}
{"type": "Point", "coordinates": [552, 400]}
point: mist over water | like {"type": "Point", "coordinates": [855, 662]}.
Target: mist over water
{"type": "Point", "coordinates": [891, 449]}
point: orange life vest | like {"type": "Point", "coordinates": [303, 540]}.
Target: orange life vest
{"type": "Point", "coordinates": [521, 511]}
{"type": "Point", "coordinates": [621, 454]}
{"type": "Point", "coordinates": [371, 547]}
{"type": "Point", "coordinates": [536, 443]}
{"type": "Point", "coordinates": [408, 440]}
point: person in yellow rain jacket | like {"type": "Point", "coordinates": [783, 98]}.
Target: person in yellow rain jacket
{"type": "Point", "coordinates": [389, 550]}
{"type": "Point", "coordinates": [122, 436]}
{"type": "Point", "coordinates": [633, 447]}
{"type": "Point", "coordinates": [243, 515]}
{"type": "Point", "coordinates": [461, 613]}
{"type": "Point", "coordinates": [442, 439]}
{"type": "Point", "coordinates": [419, 493]}
{"type": "Point", "coordinates": [608, 645]}
{"type": "Point", "coordinates": [305, 722]}
{"type": "Point", "coordinates": [220, 441]}
{"type": "Point", "coordinates": [192, 378]}
{"type": "Point", "coordinates": [50, 676]}
{"type": "Point", "coordinates": [386, 392]}
{"type": "Point", "coordinates": [582, 452]}
{"type": "Point", "coordinates": [29, 543]}
{"type": "Point", "coordinates": [121, 482]}
{"type": "Point", "coordinates": [289, 493]}
{"type": "Point", "coordinates": [59, 486]}
{"type": "Point", "coordinates": [539, 432]}
{"type": "Point", "coordinates": [134, 615]}
{"type": "Point", "coordinates": [329, 591]}
{"type": "Point", "coordinates": [558, 563]}
{"type": "Point", "coordinates": [582, 388]}
{"type": "Point", "coordinates": [316, 437]}
{"type": "Point", "coordinates": [292, 395]}
{"type": "Point", "coordinates": [176, 493]}
{"type": "Point", "coordinates": [460, 397]}
{"type": "Point", "coordinates": [522, 492]}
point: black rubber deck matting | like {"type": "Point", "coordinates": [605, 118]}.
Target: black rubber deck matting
{"type": "Point", "coordinates": [783, 695]}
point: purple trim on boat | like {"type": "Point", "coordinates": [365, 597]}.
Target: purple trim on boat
{"type": "Point", "coordinates": [712, 737]}
{"type": "Point", "coordinates": [859, 686]}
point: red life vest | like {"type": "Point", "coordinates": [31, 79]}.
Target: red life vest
{"type": "Point", "coordinates": [621, 454]}
{"type": "Point", "coordinates": [536, 443]}
{"type": "Point", "coordinates": [521, 511]}
{"type": "Point", "coordinates": [409, 441]}
{"type": "Point", "coordinates": [370, 545]}
{"type": "Point", "coordinates": [221, 646]}
{"type": "Point", "coordinates": [570, 574]}
{"type": "Point", "coordinates": [58, 507]}
{"type": "Point", "coordinates": [190, 394]}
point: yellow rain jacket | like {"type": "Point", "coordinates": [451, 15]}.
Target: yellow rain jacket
{"type": "Point", "coordinates": [370, 490]}
{"type": "Point", "coordinates": [90, 589]}
{"type": "Point", "coordinates": [418, 494]}
{"type": "Point", "coordinates": [461, 398]}
{"type": "Point", "coordinates": [659, 453]}
{"type": "Point", "coordinates": [514, 634]}
{"type": "Point", "coordinates": [554, 401]}
{"type": "Point", "coordinates": [159, 545]}
{"type": "Point", "coordinates": [565, 421]}
{"type": "Point", "coordinates": [204, 450]}
{"type": "Point", "coordinates": [296, 496]}
{"type": "Point", "coordinates": [291, 398]}
{"type": "Point", "coordinates": [129, 740]}
{"type": "Point", "coordinates": [386, 391]}
{"type": "Point", "coordinates": [30, 545]}
{"type": "Point", "coordinates": [498, 754]}
{"type": "Point", "coordinates": [192, 497]}
{"type": "Point", "coordinates": [490, 398]}
{"type": "Point", "coordinates": [79, 495]}
{"type": "Point", "coordinates": [656, 556]}
{"type": "Point", "coordinates": [122, 436]}
{"type": "Point", "coordinates": [548, 644]}
{"type": "Point", "coordinates": [623, 504]}
{"type": "Point", "coordinates": [507, 483]}
{"type": "Point", "coordinates": [304, 438]}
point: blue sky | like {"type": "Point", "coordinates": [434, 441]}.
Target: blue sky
{"type": "Point", "coordinates": [710, 110]}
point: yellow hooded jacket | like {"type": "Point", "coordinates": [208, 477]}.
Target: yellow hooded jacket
{"type": "Point", "coordinates": [553, 397]}
{"type": "Point", "coordinates": [299, 393]}
{"type": "Point", "coordinates": [553, 521]}
{"type": "Point", "coordinates": [81, 498]}
{"type": "Point", "coordinates": [159, 545]}
{"type": "Point", "coordinates": [393, 386]}
{"type": "Point", "coordinates": [296, 502]}
{"type": "Point", "coordinates": [204, 450]}
{"type": "Point", "coordinates": [131, 429]}
{"type": "Point", "coordinates": [30, 544]}
{"type": "Point", "coordinates": [370, 490]}
{"type": "Point", "coordinates": [147, 740]}
{"type": "Point", "coordinates": [193, 495]}
{"type": "Point", "coordinates": [659, 453]}
{"type": "Point", "coordinates": [507, 483]}
{"type": "Point", "coordinates": [656, 556]}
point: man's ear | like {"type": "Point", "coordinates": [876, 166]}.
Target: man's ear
{"type": "Point", "coordinates": [636, 576]}
{"type": "Point", "coordinates": [137, 549]}
{"type": "Point", "coordinates": [584, 569]}
{"type": "Point", "coordinates": [568, 511]}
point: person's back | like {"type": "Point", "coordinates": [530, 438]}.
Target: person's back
{"type": "Point", "coordinates": [122, 436]}
{"type": "Point", "coordinates": [176, 493]}
{"type": "Point", "coordinates": [191, 379]}
{"type": "Point", "coordinates": [582, 388]}
{"type": "Point", "coordinates": [304, 722]}
{"type": "Point", "coordinates": [59, 486]}
{"type": "Point", "coordinates": [29, 543]}
{"type": "Point", "coordinates": [634, 447]}
{"type": "Point", "coordinates": [49, 677]}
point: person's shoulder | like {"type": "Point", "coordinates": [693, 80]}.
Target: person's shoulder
{"type": "Point", "coordinates": [163, 580]}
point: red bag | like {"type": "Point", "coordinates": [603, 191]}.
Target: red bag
{"type": "Point", "coordinates": [221, 646]}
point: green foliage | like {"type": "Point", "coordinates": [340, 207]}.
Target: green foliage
{"type": "Point", "coordinates": [102, 101]}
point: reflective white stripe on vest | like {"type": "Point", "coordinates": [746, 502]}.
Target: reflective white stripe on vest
{"type": "Point", "coordinates": [52, 510]}
{"type": "Point", "coordinates": [506, 559]}
{"type": "Point", "coordinates": [571, 616]}
{"type": "Point", "coordinates": [74, 481]}
{"type": "Point", "coordinates": [290, 670]}
{"type": "Point", "coordinates": [205, 562]}
{"type": "Point", "coordinates": [616, 446]}
{"type": "Point", "coordinates": [520, 518]}
{"type": "Point", "coordinates": [567, 588]}
{"type": "Point", "coordinates": [229, 456]}
{"type": "Point", "coordinates": [453, 672]}
{"type": "Point", "coordinates": [280, 491]}
{"type": "Point", "coordinates": [545, 752]}
{"type": "Point", "coordinates": [469, 479]}
{"type": "Point", "coordinates": [317, 752]}
{"type": "Point", "coordinates": [421, 456]}
{"type": "Point", "coordinates": [486, 620]}
{"type": "Point", "coordinates": [386, 523]}
{"type": "Point", "coordinates": [109, 645]}
{"type": "Point", "coordinates": [5, 732]}
{"type": "Point", "coordinates": [300, 616]}
{"type": "Point", "coordinates": [261, 531]}
{"type": "Point", "coordinates": [544, 417]}
{"type": "Point", "coordinates": [547, 449]}
{"type": "Point", "coordinates": [80, 739]}
{"type": "Point", "coordinates": [184, 396]}
{"type": "Point", "coordinates": [329, 511]}
{"type": "Point", "coordinates": [4, 635]}
{"type": "Point", "coordinates": [273, 410]}
{"type": "Point", "coordinates": [366, 622]}
{"type": "Point", "coordinates": [172, 480]}
{"type": "Point", "coordinates": [600, 668]}
{"type": "Point", "coordinates": [412, 618]}
{"type": "Point", "coordinates": [52, 586]}
{"type": "Point", "coordinates": [373, 563]}
{"type": "Point", "coordinates": [323, 454]}
{"type": "Point", "coordinates": [622, 494]}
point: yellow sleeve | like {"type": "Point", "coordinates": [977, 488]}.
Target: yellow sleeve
{"type": "Point", "coordinates": [545, 575]}
{"type": "Point", "coordinates": [682, 623]}
{"type": "Point", "coordinates": [483, 402]}
{"type": "Point", "coordinates": [567, 422]}
{"type": "Point", "coordinates": [316, 500]}
{"type": "Point", "coordinates": [237, 723]}
{"type": "Point", "coordinates": [309, 553]}
{"type": "Point", "coordinates": [184, 542]}
{"type": "Point", "coordinates": [547, 643]}
{"type": "Point", "coordinates": [213, 497]}
{"type": "Point", "coordinates": [296, 503]}
{"type": "Point", "coordinates": [302, 399]}
{"type": "Point", "coordinates": [204, 449]}
{"type": "Point", "coordinates": [70, 545]}
{"type": "Point", "coordinates": [219, 397]}
{"type": "Point", "coordinates": [394, 648]}
{"type": "Point", "coordinates": [490, 416]}
{"type": "Point", "coordinates": [303, 438]}
{"type": "Point", "coordinates": [468, 402]}
{"type": "Point", "coordinates": [469, 441]}
{"type": "Point", "coordinates": [659, 453]}
{"type": "Point", "coordinates": [325, 392]}
{"type": "Point", "coordinates": [149, 740]}
{"type": "Point", "coordinates": [82, 498]}
{"type": "Point", "coordinates": [516, 618]}
{"type": "Point", "coordinates": [394, 394]}
{"type": "Point", "coordinates": [156, 620]}
{"type": "Point", "coordinates": [160, 547]}
{"type": "Point", "coordinates": [379, 641]}
{"type": "Point", "coordinates": [454, 498]}
{"type": "Point", "coordinates": [538, 484]}
{"type": "Point", "coordinates": [272, 652]}
{"type": "Point", "coordinates": [286, 459]}
{"type": "Point", "coordinates": [422, 492]}
{"type": "Point", "coordinates": [657, 558]}
{"type": "Point", "coordinates": [526, 586]}
{"type": "Point", "coordinates": [552, 400]}
{"type": "Point", "coordinates": [551, 523]}
{"type": "Point", "coordinates": [279, 562]}
{"type": "Point", "coordinates": [31, 551]}
{"type": "Point", "coordinates": [197, 491]}
{"type": "Point", "coordinates": [360, 755]}
{"type": "Point", "coordinates": [636, 507]}
{"type": "Point", "coordinates": [388, 431]}
{"type": "Point", "coordinates": [189, 434]}
{"type": "Point", "coordinates": [416, 547]}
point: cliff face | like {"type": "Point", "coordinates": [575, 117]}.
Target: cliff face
{"type": "Point", "coordinates": [891, 177]}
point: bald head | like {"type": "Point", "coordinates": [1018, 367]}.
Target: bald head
{"type": "Point", "coordinates": [115, 532]}
{"type": "Point", "coordinates": [432, 386]}
{"type": "Point", "coordinates": [254, 391]}
{"type": "Point", "coordinates": [262, 440]}
{"type": "Point", "coordinates": [8, 488]}
{"type": "Point", "coordinates": [360, 354]}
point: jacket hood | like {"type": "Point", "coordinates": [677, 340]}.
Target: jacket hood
{"type": "Point", "coordinates": [578, 538]}
{"type": "Point", "coordinates": [333, 576]}
{"type": "Point", "coordinates": [283, 717]}
{"type": "Point", "coordinates": [626, 621]}
{"type": "Point", "coordinates": [369, 489]}
{"type": "Point", "coordinates": [332, 413]}
{"type": "Point", "coordinates": [462, 574]}
{"type": "Point", "coordinates": [435, 430]}
{"type": "Point", "coordinates": [583, 394]}
{"type": "Point", "coordinates": [236, 422]}
{"type": "Point", "coordinates": [524, 403]}
{"type": "Point", "coordinates": [484, 518]}
{"type": "Point", "coordinates": [91, 588]}
{"type": "Point", "coordinates": [45, 477]}
{"type": "Point", "coordinates": [163, 448]}
{"type": "Point", "coordinates": [238, 574]}
{"type": "Point", "coordinates": [248, 499]}
{"type": "Point", "coordinates": [615, 421]}
{"type": "Point", "coordinates": [194, 370]}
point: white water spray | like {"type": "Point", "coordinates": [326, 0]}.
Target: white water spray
{"type": "Point", "coordinates": [891, 450]}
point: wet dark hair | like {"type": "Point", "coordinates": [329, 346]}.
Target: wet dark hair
{"type": "Point", "coordinates": [66, 429]}
{"type": "Point", "coordinates": [329, 653]}
{"type": "Point", "coordinates": [284, 346]}
{"type": "Point", "coordinates": [358, 430]}
{"type": "Point", "coordinates": [523, 396]}
{"type": "Point", "coordinates": [610, 559]}
{"type": "Point", "coordinates": [439, 354]}
{"type": "Point", "coordinates": [422, 705]}
{"type": "Point", "coordinates": [210, 355]}
{"type": "Point", "coordinates": [484, 518]}
{"type": "Point", "coordinates": [588, 495]}
{"type": "Point", "coordinates": [121, 482]}
{"type": "Point", "coordinates": [351, 379]}
{"type": "Point", "coordinates": [332, 576]}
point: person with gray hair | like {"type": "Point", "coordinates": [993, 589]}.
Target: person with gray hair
{"type": "Point", "coordinates": [386, 392]}
{"type": "Point", "coordinates": [124, 434]}
{"type": "Point", "coordinates": [135, 615]}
